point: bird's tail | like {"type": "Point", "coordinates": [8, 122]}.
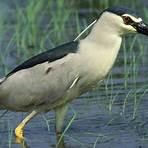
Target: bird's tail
{"type": "Point", "coordinates": [2, 80]}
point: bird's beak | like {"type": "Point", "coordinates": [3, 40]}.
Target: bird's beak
{"type": "Point", "coordinates": [141, 27]}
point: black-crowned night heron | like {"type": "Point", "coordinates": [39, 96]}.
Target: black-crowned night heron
{"type": "Point", "coordinates": [52, 79]}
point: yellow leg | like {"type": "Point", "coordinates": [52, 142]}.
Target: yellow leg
{"type": "Point", "coordinates": [19, 131]}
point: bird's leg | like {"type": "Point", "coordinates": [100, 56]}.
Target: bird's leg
{"type": "Point", "coordinates": [19, 131]}
{"type": "Point", "coordinates": [60, 115]}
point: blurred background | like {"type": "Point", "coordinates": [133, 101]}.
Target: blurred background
{"type": "Point", "coordinates": [111, 116]}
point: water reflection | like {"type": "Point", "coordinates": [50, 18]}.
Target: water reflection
{"type": "Point", "coordinates": [25, 144]}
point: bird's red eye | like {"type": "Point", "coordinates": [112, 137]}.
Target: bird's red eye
{"type": "Point", "coordinates": [127, 20]}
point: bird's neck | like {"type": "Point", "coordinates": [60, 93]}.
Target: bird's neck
{"type": "Point", "coordinates": [101, 47]}
{"type": "Point", "coordinates": [104, 34]}
{"type": "Point", "coordinates": [105, 38]}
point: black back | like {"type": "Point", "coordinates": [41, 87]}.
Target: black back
{"type": "Point", "coordinates": [49, 55]}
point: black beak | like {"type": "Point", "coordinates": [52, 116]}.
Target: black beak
{"type": "Point", "coordinates": [141, 27]}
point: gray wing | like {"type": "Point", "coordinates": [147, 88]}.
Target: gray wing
{"type": "Point", "coordinates": [49, 55]}
{"type": "Point", "coordinates": [35, 86]}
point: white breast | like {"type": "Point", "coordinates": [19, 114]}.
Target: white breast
{"type": "Point", "coordinates": [99, 58]}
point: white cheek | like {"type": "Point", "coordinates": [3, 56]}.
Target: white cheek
{"type": "Point", "coordinates": [129, 28]}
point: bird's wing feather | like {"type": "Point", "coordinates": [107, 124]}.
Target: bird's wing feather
{"type": "Point", "coordinates": [35, 87]}
{"type": "Point", "coordinates": [49, 55]}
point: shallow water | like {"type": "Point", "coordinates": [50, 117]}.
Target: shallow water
{"type": "Point", "coordinates": [112, 116]}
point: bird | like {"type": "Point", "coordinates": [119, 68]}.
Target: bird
{"type": "Point", "coordinates": [50, 80]}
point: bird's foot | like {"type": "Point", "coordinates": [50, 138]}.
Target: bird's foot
{"type": "Point", "coordinates": [19, 133]}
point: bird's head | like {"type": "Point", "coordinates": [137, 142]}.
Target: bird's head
{"type": "Point", "coordinates": [123, 20]}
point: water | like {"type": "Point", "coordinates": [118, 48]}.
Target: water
{"type": "Point", "coordinates": [111, 116]}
